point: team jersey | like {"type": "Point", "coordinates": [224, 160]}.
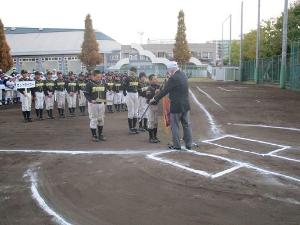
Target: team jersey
{"type": "Point", "coordinates": [60, 85]}
{"type": "Point", "coordinates": [39, 86]}
{"type": "Point", "coordinates": [150, 92]}
{"type": "Point", "coordinates": [81, 85]}
{"type": "Point", "coordinates": [96, 91]}
{"type": "Point", "coordinates": [131, 83]}
{"type": "Point", "coordinates": [142, 88]}
{"type": "Point", "coordinates": [110, 85]}
{"type": "Point", "coordinates": [49, 87]}
{"type": "Point", "coordinates": [72, 86]}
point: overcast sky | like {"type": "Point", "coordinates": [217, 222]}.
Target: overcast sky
{"type": "Point", "coordinates": [123, 20]}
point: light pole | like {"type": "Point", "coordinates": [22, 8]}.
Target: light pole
{"type": "Point", "coordinates": [241, 41]}
{"type": "Point", "coordinates": [284, 46]}
{"type": "Point", "coordinates": [257, 45]}
{"type": "Point", "coordinates": [222, 50]}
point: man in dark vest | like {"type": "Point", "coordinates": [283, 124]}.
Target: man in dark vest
{"type": "Point", "coordinates": [178, 90]}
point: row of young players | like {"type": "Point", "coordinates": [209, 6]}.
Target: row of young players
{"type": "Point", "coordinates": [48, 91]}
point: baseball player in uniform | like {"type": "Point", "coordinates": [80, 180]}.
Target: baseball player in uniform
{"type": "Point", "coordinates": [131, 93]}
{"type": "Point", "coordinates": [81, 96]}
{"type": "Point", "coordinates": [152, 90]}
{"type": "Point", "coordinates": [143, 85]}
{"type": "Point", "coordinates": [118, 90]}
{"type": "Point", "coordinates": [110, 93]}
{"type": "Point", "coordinates": [39, 95]}
{"type": "Point", "coordinates": [26, 97]}
{"type": "Point", "coordinates": [60, 85]}
{"type": "Point", "coordinates": [72, 89]}
{"type": "Point", "coordinates": [96, 95]}
{"type": "Point", "coordinates": [123, 99]}
{"type": "Point", "coordinates": [49, 95]}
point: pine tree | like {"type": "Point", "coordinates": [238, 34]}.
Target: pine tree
{"type": "Point", "coordinates": [181, 49]}
{"type": "Point", "coordinates": [90, 55]}
{"type": "Point", "coordinates": [6, 61]}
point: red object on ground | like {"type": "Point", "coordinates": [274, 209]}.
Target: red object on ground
{"type": "Point", "coordinates": [166, 111]}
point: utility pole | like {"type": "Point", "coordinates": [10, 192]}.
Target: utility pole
{"type": "Point", "coordinates": [241, 41]}
{"type": "Point", "coordinates": [229, 48]}
{"type": "Point", "coordinates": [257, 45]}
{"type": "Point", "coordinates": [229, 17]}
{"type": "Point", "coordinates": [284, 46]}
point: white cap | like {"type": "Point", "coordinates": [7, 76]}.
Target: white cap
{"type": "Point", "coordinates": [171, 65]}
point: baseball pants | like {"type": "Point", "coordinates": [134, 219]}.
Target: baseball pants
{"type": "Point", "coordinates": [132, 100]}
{"type": "Point", "coordinates": [39, 100]}
{"type": "Point", "coordinates": [61, 99]}
{"type": "Point", "coordinates": [142, 107]}
{"type": "Point", "coordinates": [153, 116]}
{"type": "Point", "coordinates": [96, 114]}
{"type": "Point", "coordinates": [49, 101]}
{"type": "Point", "coordinates": [118, 98]}
{"type": "Point", "coordinates": [109, 97]}
{"type": "Point", "coordinates": [26, 102]}
{"type": "Point", "coordinates": [81, 99]}
{"type": "Point", "coordinates": [71, 99]}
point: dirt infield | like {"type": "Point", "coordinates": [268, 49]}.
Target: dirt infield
{"type": "Point", "coordinates": [245, 170]}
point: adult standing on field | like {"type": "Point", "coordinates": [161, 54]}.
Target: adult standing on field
{"type": "Point", "coordinates": [178, 90]}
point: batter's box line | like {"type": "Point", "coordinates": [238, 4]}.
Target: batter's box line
{"type": "Point", "coordinates": [199, 172]}
{"type": "Point", "coordinates": [281, 147]}
{"type": "Point", "coordinates": [238, 164]}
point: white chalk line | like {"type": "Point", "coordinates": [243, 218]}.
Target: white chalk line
{"type": "Point", "coordinates": [222, 173]}
{"type": "Point", "coordinates": [211, 98]}
{"type": "Point", "coordinates": [286, 158]}
{"type": "Point", "coordinates": [282, 147]}
{"type": "Point", "coordinates": [270, 154]}
{"type": "Point", "coordinates": [286, 200]}
{"type": "Point", "coordinates": [41, 202]}
{"type": "Point", "coordinates": [224, 89]}
{"type": "Point", "coordinates": [239, 164]}
{"type": "Point", "coordinates": [81, 152]}
{"type": "Point", "coordinates": [240, 87]}
{"type": "Point", "coordinates": [247, 165]}
{"type": "Point", "coordinates": [264, 126]}
{"type": "Point", "coordinates": [199, 172]}
{"type": "Point", "coordinates": [213, 126]}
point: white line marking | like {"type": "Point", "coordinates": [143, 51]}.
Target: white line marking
{"type": "Point", "coordinates": [285, 158]}
{"type": "Point", "coordinates": [211, 98]}
{"type": "Point", "coordinates": [262, 142]}
{"type": "Point", "coordinates": [199, 172]}
{"type": "Point", "coordinates": [278, 150]}
{"type": "Point", "coordinates": [41, 202]}
{"type": "Point", "coordinates": [240, 87]}
{"type": "Point", "coordinates": [213, 126]}
{"type": "Point", "coordinates": [247, 165]}
{"type": "Point", "coordinates": [286, 200]}
{"type": "Point", "coordinates": [225, 89]}
{"type": "Point", "coordinates": [238, 163]}
{"type": "Point", "coordinates": [176, 164]}
{"type": "Point", "coordinates": [272, 173]}
{"type": "Point", "coordinates": [81, 152]}
{"type": "Point", "coordinates": [282, 147]}
{"type": "Point", "coordinates": [235, 149]}
{"type": "Point", "coordinates": [264, 126]}
{"type": "Point", "coordinates": [226, 171]}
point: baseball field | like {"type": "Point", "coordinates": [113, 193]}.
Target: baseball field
{"type": "Point", "coordinates": [244, 168]}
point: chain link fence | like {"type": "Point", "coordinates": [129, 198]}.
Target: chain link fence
{"type": "Point", "coordinates": [269, 69]}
